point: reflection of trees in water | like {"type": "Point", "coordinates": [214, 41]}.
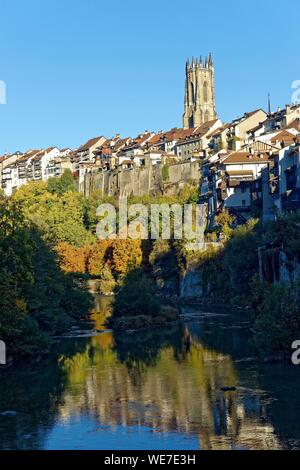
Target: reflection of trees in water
{"type": "Point", "coordinates": [283, 381]}
{"type": "Point", "coordinates": [166, 381]}
{"type": "Point", "coordinates": [35, 391]}
{"type": "Point", "coordinates": [139, 351]}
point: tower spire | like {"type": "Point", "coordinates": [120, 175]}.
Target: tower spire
{"type": "Point", "coordinates": [199, 98]}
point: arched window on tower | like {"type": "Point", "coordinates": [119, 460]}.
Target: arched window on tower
{"type": "Point", "coordinates": [193, 93]}
{"type": "Point", "coordinates": [205, 93]}
{"type": "Point", "coordinates": [206, 116]}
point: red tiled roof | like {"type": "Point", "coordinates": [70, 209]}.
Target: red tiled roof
{"type": "Point", "coordinates": [246, 157]}
{"type": "Point", "coordinates": [180, 133]}
{"type": "Point", "coordinates": [89, 144]}
{"type": "Point", "coordinates": [283, 136]}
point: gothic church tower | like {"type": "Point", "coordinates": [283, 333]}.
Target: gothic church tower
{"type": "Point", "coordinates": [199, 99]}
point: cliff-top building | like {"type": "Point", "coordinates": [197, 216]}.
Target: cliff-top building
{"type": "Point", "coordinates": [199, 99]}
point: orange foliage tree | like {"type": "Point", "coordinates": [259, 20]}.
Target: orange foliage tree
{"type": "Point", "coordinates": [100, 253]}
{"type": "Point", "coordinates": [117, 256]}
{"type": "Point", "coordinates": [72, 259]}
{"type": "Point", "coordinates": [126, 255]}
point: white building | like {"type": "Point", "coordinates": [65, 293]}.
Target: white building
{"type": "Point", "coordinates": [38, 165]}
{"type": "Point", "coordinates": [287, 196]}
{"type": "Point", "coordinates": [236, 180]}
{"type": "Point", "coordinates": [9, 179]}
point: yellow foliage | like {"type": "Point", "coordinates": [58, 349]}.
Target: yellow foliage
{"type": "Point", "coordinates": [126, 255]}
{"type": "Point", "coordinates": [72, 259]}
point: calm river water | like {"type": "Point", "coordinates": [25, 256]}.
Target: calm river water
{"type": "Point", "coordinates": [157, 389]}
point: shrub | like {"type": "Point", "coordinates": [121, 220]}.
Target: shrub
{"type": "Point", "coordinates": [169, 313]}
{"type": "Point", "coordinates": [137, 295]}
{"type": "Point", "coordinates": [132, 322]}
{"type": "Point", "coordinates": [107, 282]}
{"type": "Point", "coordinates": [278, 322]}
{"type": "Point", "coordinates": [165, 172]}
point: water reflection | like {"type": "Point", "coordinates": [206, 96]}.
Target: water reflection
{"type": "Point", "coordinates": [159, 388]}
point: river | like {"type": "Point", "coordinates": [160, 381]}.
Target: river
{"type": "Point", "coordinates": [158, 389]}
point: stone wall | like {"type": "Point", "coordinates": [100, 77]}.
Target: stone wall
{"type": "Point", "coordinates": [140, 181]}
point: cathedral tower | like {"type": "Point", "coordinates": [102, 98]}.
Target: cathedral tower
{"type": "Point", "coordinates": [199, 99]}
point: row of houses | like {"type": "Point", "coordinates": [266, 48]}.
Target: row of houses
{"type": "Point", "coordinates": [254, 170]}
{"type": "Point", "coordinates": [100, 154]}
{"type": "Point", "coordinates": [148, 148]}
{"type": "Point", "coordinates": [19, 168]}
{"type": "Point", "coordinates": [250, 164]}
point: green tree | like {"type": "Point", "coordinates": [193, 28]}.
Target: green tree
{"type": "Point", "coordinates": [63, 184]}
{"type": "Point", "coordinates": [58, 217]}
{"type": "Point", "coordinates": [137, 296]}
{"type": "Point", "coordinates": [37, 300]}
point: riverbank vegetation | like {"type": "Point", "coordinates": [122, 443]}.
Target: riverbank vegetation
{"type": "Point", "coordinates": [49, 248]}
{"type": "Point", "coordinates": [37, 299]}
{"type": "Point", "coordinates": [255, 267]}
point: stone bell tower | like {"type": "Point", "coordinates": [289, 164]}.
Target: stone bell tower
{"type": "Point", "coordinates": [199, 98]}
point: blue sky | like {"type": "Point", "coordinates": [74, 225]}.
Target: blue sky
{"type": "Point", "coordinates": [75, 69]}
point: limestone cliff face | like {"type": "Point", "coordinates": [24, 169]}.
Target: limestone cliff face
{"type": "Point", "coordinates": [141, 180]}
{"type": "Point", "coordinates": [276, 265]}
{"type": "Point", "coordinates": [191, 284]}
{"type": "Point", "coordinates": [289, 270]}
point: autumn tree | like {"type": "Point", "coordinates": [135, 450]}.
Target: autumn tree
{"type": "Point", "coordinates": [72, 259]}
{"type": "Point", "coordinates": [126, 256]}
{"type": "Point", "coordinates": [99, 255]}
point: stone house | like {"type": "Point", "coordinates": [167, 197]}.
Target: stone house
{"type": "Point", "coordinates": [237, 132]}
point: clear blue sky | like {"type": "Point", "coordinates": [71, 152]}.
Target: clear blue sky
{"type": "Point", "coordinates": [79, 68]}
